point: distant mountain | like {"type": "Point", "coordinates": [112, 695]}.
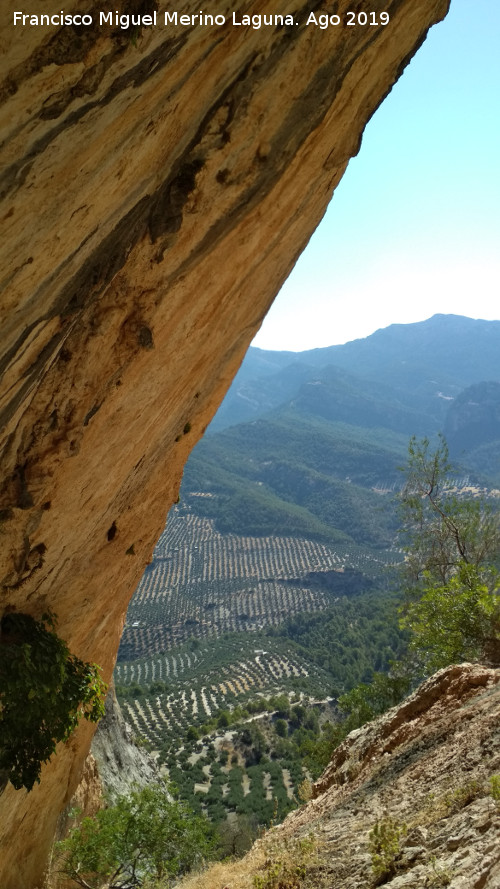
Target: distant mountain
{"type": "Point", "coordinates": [424, 365]}
{"type": "Point", "coordinates": [308, 444]}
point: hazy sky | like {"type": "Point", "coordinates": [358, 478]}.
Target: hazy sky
{"type": "Point", "coordinates": [414, 226]}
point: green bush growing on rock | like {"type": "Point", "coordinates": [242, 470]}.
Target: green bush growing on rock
{"type": "Point", "coordinates": [385, 846]}
{"type": "Point", "coordinates": [44, 693]}
{"type": "Point", "coordinates": [461, 796]}
{"type": "Point", "coordinates": [495, 788]}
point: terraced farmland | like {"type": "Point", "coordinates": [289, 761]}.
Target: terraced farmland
{"type": "Point", "coordinates": [172, 700]}
{"type": "Point", "coordinates": [202, 583]}
{"type": "Point", "coordinates": [203, 650]}
{"type": "Point", "coordinates": [264, 791]}
{"type": "Point", "coordinates": [199, 684]}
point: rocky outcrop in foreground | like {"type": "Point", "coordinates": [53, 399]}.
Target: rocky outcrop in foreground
{"type": "Point", "coordinates": [157, 185]}
{"type": "Point", "coordinates": [424, 770]}
{"type": "Point", "coordinates": [427, 764]}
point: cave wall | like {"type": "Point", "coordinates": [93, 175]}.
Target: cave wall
{"type": "Point", "coordinates": [156, 188]}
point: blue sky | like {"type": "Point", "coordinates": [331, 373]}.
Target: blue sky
{"type": "Point", "coordinates": [414, 226]}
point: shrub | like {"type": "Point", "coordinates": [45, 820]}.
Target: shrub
{"type": "Point", "coordinates": [45, 691]}
{"type": "Point", "coordinates": [495, 788]}
{"type": "Point", "coordinates": [288, 864]}
{"type": "Point", "coordinates": [385, 847]}
{"type": "Point", "coordinates": [145, 834]}
{"type": "Point", "coordinates": [305, 790]}
{"type": "Point", "coordinates": [438, 877]}
{"type": "Point", "coordinates": [461, 796]}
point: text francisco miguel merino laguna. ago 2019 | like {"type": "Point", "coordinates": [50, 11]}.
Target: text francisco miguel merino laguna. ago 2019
{"type": "Point", "coordinates": [152, 19]}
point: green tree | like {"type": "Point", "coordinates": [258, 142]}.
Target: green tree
{"type": "Point", "coordinates": [452, 542]}
{"type": "Point", "coordinates": [440, 528]}
{"type": "Point", "coordinates": [238, 835]}
{"type": "Point", "coordinates": [281, 704]}
{"type": "Point", "coordinates": [366, 701]}
{"type": "Point", "coordinates": [254, 742]}
{"type": "Point", "coordinates": [281, 728]}
{"type": "Point", "coordinates": [457, 621]}
{"type": "Point", "coordinates": [224, 719]}
{"type": "Point", "coordinates": [144, 835]}
{"type": "Point", "coordinates": [157, 688]}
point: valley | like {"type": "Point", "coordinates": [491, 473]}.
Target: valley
{"type": "Point", "coordinates": [223, 627]}
{"type": "Point", "coordinates": [273, 588]}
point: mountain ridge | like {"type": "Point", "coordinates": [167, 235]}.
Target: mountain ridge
{"type": "Point", "coordinates": [457, 350]}
{"type": "Point", "coordinates": [310, 448]}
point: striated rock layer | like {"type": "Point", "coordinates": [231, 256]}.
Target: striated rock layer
{"type": "Point", "coordinates": [157, 186]}
{"type": "Point", "coordinates": [426, 764]}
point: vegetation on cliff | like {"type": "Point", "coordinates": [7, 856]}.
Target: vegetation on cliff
{"type": "Point", "coordinates": [452, 545]}
{"type": "Point", "coordinates": [45, 691]}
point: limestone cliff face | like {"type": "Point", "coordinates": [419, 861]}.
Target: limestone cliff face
{"type": "Point", "coordinates": [115, 765]}
{"type": "Point", "coordinates": [157, 187]}
{"type": "Point", "coordinates": [121, 764]}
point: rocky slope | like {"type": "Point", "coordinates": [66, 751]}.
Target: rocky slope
{"type": "Point", "coordinates": [423, 770]}
{"type": "Point", "coordinates": [426, 764]}
{"type": "Point", "coordinates": [157, 185]}
{"type": "Point", "coordinates": [121, 764]}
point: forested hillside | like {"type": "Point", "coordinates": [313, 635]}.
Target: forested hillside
{"type": "Point", "coordinates": [298, 474]}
